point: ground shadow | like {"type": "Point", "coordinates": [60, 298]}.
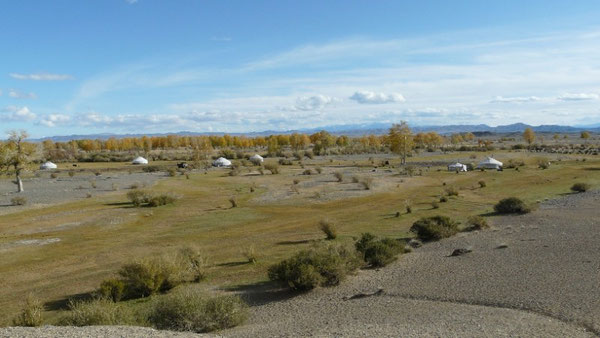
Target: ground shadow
{"type": "Point", "coordinates": [263, 293]}
{"type": "Point", "coordinates": [118, 204]}
{"type": "Point", "coordinates": [301, 241]}
{"type": "Point", "coordinates": [63, 303]}
{"type": "Point", "coordinates": [592, 169]}
{"type": "Point", "coordinates": [232, 264]}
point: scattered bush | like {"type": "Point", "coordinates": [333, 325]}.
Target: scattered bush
{"type": "Point", "coordinates": [93, 184]}
{"type": "Point", "coordinates": [309, 154]}
{"type": "Point", "coordinates": [476, 223]}
{"type": "Point", "coordinates": [151, 168]}
{"type": "Point", "coordinates": [150, 276]}
{"type": "Point", "coordinates": [285, 161]}
{"type": "Point", "coordinates": [31, 314]}
{"type": "Point", "coordinates": [53, 175]}
{"type": "Point", "coordinates": [112, 289]}
{"type": "Point", "coordinates": [191, 310]}
{"type": "Point", "coordinates": [443, 199]}
{"type": "Point", "coordinates": [71, 173]}
{"type": "Point", "coordinates": [325, 265]}
{"type": "Point", "coordinates": [451, 191]}
{"type": "Point", "coordinates": [272, 167]}
{"type": "Point", "coordinates": [378, 253]}
{"type": "Point", "coordinates": [355, 179]}
{"type": "Point", "coordinates": [172, 172]}
{"type": "Point", "coordinates": [580, 187]}
{"type": "Point", "coordinates": [296, 181]}
{"type": "Point", "coordinates": [435, 205]}
{"type": "Point", "coordinates": [367, 183]}
{"type": "Point", "coordinates": [543, 163]}
{"type": "Point", "coordinates": [97, 312]}
{"type": "Point", "coordinates": [142, 198]}
{"type": "Point", "coordinates": [18, 200]}
{"type": "Point", "coordinates": [250, 254]}
{"type": "Point", "coordinates": [98, 173]}
{"type": "Point", "coordinates": [328, 229]}
{"type": "Point", "coordinates": [511, 205]}
{"type": "Point", "coordinates": [434, 228]}
{"type": "Point", "coordinates": [307, 172]}
{"type": "Point", "coordinates": [339, 176]}
{"type": "Point", "coordinates": [482, 184]}
{"type": "Point", "coordinates": [233, 201]}
{"type": "Point", "coordinates": [319, 170]}
{"type": "Point", "coordinates": [193, 263]}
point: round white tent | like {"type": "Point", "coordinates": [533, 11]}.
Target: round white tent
{"type": "Point", "coordinates": [48, 166]}
{"type": "Point", "coordinates": [257, 159]}
{"type": "Point", "coordinates": [457, 167]}
{"type": "Point", "coordinates": [139, 160]}
{"type": "Point", "coordinates": [490, 163]}
{"type": "Point", "coordinates": [222, 162]}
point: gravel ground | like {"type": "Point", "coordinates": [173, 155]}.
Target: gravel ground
{"type": "Point", "coordinates": [42, 191]}
{"type": "Point", "coordinates": [534, 275]}
{"type": "Point", "coordinates": [90, 332]}
{"type": "Point", "coordinates": [544, 283]}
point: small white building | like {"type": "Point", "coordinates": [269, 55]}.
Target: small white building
{"type": "Point", "coordinates": [457, 167]}
{"type": "Point", "coordinates": [256, 159]}
{"type": "Point", "coordinates": [139, 160]}
{"type": "Point", "coordinates": [48, 166]}
{"type": "Point", "coordinates": [490, 163]}
{"type": "Point", "coordinates": [222, 162]}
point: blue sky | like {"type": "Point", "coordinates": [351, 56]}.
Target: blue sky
{"type": "Point", "coordinates": [147, 66]}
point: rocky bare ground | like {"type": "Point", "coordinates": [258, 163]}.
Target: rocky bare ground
{"type": "Point", "coordinates": [43, 190]}
{"type": "Point", "coordinates": [534, 275]}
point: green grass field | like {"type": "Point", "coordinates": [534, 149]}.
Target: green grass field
{"type": "Point", "coordinates": [98, 235]}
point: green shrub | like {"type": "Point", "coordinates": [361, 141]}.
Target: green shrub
{"type": "Point", "coordinates": [511, 205]}
{"type": "Point", "coordinates": [151, 168]}
{"type": "Point", "coordinates": [137, 197]}
{"type": "Point", "coordinates": [272, 167]}
{"type": "Point", "coordinates": [71, 173]}
{"type": "Point", "coordinates": [112, 289]}
{"type": "Point", "coordinates": [476, 223]}
{"type": "Point", "coordinates": [339, 176]}
{"type": "Point", "coordinates": [482, 184]}
{"type": "Point", "coordinates": [191, 310]}
{"type": "Point", "coordinates": [307, 172]}
{"type": "Point", "coordinates": [443, 199]}
{"type": "Point", "coordinates": [325, 265]}
{"type": "Point", "coordinates": [250, 254]}
{"type": "Point", "coordinates": [142, 198]}
{"type": "Point", "coordinates": [31, 314]}
{"type": "Point", "coordinates": [319, 170]}
{"type": "Point", "coordinates": [18, 200]}
{"type": "Point", "coordinates": [97, 312]}
{"type": "Point", "coordinates": [328, 229]}
{"type": "Point", "coordinates": [150, 276]}
{"type": "Point", "coordinates": [580, 187]}
{"type": "Point", "coordinates": [309, 154]}
{"type": "Point", "coordinates": [378, 253]}
{"type": "Point", "coordinates": [434, 228]}
{"type": "Point", "coordinates": [285, 161]}
{"type": "Point", "coordinates": [193, 263]}
{"type": "Point", "coordinates": [435, 205]}
{"type": "Point", "coordinates": [161, 199]}
{"type": "Point", "coordinates": [172, 172]}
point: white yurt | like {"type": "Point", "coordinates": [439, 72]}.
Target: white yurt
{"type": "Point", "coordinates": [257, 159]}
{"type": "Point", "coordinates": [490, 163]}
{"type": "Point", "coordinates": [222, 162]}
{"type": "Point", "coordinates": [139, 160]}
{"type": "Point", "coordinates": [457, 167]}
{"type": "Point", "coordinates": [48, 166]}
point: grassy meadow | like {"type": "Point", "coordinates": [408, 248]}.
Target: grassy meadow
{"type": "Point", "coordinates": [275, 217]}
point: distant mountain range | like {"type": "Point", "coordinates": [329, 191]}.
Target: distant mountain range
{"type": "Point", "coordinates": [358, 130]}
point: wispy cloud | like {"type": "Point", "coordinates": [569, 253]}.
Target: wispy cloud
{"type": "Point", "coordinates": [516, 99]}
{"type": "Point", "coordinates": [579, 97]}
{"type": "Point", "coordinates": [16, 94]}
{"type": "Point", "coordinates": [367, 97]}
{"type": "Point", "coordinates": [41, 77]}
{"type": "Point", "coordinates": [53, 120]}
{"type": "Point", "coordinates": [315, 102]}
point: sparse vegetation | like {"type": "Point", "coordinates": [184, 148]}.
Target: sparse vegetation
{"type": "Point", "coordinates": [112, 289]}
{"type": "Point", "coordinates": [378, 252]}
{"type": "Point", "coordinates": [272, 167]}
{"type": "Point", "coordinates": [339, 176]}
{"type": "Point", "coordinates": [476, 223]}
{"type": "Point", "coordinates": [191, 310]}
{"type": "Point", "coordinates": [97, 312]}
{"type": "Point", "coordinates": [451, 191]}
{"type": "Point", "coordinates": [233, 201]}
{"type": "Point", "coordinates": [143, 198]}
{"type": "Point", "coordinates": [482, 184]}
{"type": "Point", "coordinates": [325, 265]}
{"type": "Point", "coordinates": [580, 187]}
{"type": "Point", "coordinates": [18, 200]}
{"type": "Point", "coordinates": [434, 228]}
{"type": "Point", "coordinates": [367, 183]}
{"type": "Point", "coordinates": [31, 314]}
{"type": "Point", "coordinates": [511, 205]}
{"type": "Point", "coordinates": [328, 229]}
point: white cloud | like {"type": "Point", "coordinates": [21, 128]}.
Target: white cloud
{"type": "Point", "coordinates": [578, 97]}
{"type": "Point", "coordinates": [516, 99]}
{"type": "Point", "coordinates": [16, 114]}
{"type": "Point", "coordinates": [316, 102]}
{"type": "Point", "coordinates": [16, 94]}
{"type": "Point", "coordinates": [41, 77]}
{"type": "Point", "coordinates": [366, 97]}
{"type": "Point", "coordinates": [53, 119]}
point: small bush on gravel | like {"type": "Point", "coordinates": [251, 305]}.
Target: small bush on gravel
{"type": "Point", "coordinates": [272, 167]}
{"type": "Point", "coordinates": [328, 229]}
{"type": "Point", "coordinates": [307, 172]}
{"type": "Point", "coordinates": [192, 310]}
{"type": "Point", "coordinates": [150, 276]}
{"type": "Point", "coordinates": [367, 183]}
{"type": "Point", "coordinates": [511, 205]}
{"type": "Point", "coordinates": [97, 312]}
{"type": "Point", "coordinates": [319, 170]}
{"type": "Point", "coordinates": [143, 198]}
{"type": "Point", "coordinates": [580, 187]}
{"type": "Point", "coordinates": [325, 265]}
{"type": "Point", "coordinates": [451, 191]}
{"type": "Point", "coordinates": [112, 289]}
{"type": "Point", "coordinates": [18, 200]}
{"type": "Point", "coordinates": [53, 175]}
{"type": "Point", "coordinates": [31, 314]}
{"type": "Point", "coordinates": [476, 223]}
{"type": "Point", "coordinates": [443, 199]}
{"type": "Point", "coordinates": [482, 184]}
{"type": "Point", "coordinates": [137, 197]}
{"type": "Point", "coordinates": [338, 176]}
{"type": "Point", "coordinates": [285, 161]}
{"type": "Point", "coordinates": [233, 201]}
{"type": "Point", "coordinates": [378, 253]}
{"type": "Point", "coordinates": [434, 228]}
